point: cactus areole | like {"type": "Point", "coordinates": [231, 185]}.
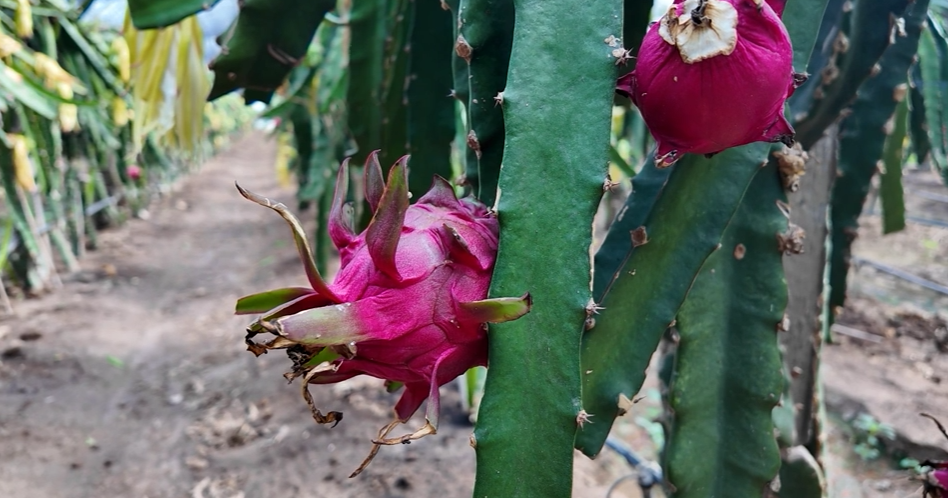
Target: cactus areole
{"type": "Point", "coordinates": [409, 304]}
{"type": "Point", "coordinates": [713, 74]}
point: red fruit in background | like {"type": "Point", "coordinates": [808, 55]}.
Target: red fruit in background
{"type": "Point", "coordinates": [936, 481]}
{"type": "Point", "coordinates": [940, 476]}
{"type": "Point", "coordinates": [713, 74]}
{"type": "Point", "coordinates": [134, 172]}
{"type": "Point", "coordinates": [409, 304]}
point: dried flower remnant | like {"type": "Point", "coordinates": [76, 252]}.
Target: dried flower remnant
{"type": "Point", "coordinates": [792, 164]}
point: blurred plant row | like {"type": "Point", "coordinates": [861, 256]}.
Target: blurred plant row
{"type": "Point", "coordinates": [95, 123]}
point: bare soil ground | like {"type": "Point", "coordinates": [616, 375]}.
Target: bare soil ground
{"type": "Point", "coordinates": [133, 380]}
{"type": "Point", "coordinates": [900, 368]}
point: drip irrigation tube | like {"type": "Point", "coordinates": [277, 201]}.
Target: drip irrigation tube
{"type": "Point", "coordinates": [904, 275]}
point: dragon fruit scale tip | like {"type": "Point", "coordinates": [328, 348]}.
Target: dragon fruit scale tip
{"type": "Point", "coordinates": [714, 74]}
{"type": "Point", "coordinates": [408, 305]}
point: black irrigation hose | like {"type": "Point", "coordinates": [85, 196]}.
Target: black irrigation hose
{"type": "Point", "coordinates": [648, 473]}
{"type": "Point", "coordinates": [927, 221]}
{"type": "Point", "coordinates": [914, 219]}
{"type": "Point", "coordinates": [904, 275]}
{"type": "Point", "coordinates": [924, 194]}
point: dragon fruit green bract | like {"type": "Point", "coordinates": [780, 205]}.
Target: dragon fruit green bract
{"type": "Point", "coordinates": [408, 304]}
{"type": "Point", "coordinates": [713, 74]}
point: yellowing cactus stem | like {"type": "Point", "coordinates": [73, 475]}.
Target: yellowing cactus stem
{"type": "Point", "coordinates": [123, 56]}
{"type": "Point", "coordinates": [119, 111]}
{"type": "Point", "coordinates": [9, 45]}
{"type": "Point", "coordinates": [22, 169]}
{"type": "Point", "coordinates": [24, 19]}
{"type": "Point", "coordinates": [68, 113]}
{"type": "Point", "coordinates": [51, 72]}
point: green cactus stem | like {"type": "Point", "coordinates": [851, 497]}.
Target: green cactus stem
{"type": "Point", "coordinates": [647, 187]}
{"type": "Point", "coordinates": [862, 137]}
{"type": "Point", "coordinates": [860, 47]}
{"type": "Point", "coordinates": [799, 17]}
{"type": "Point", "coordinates": [394, 92]}
{"type": "Point", "coordinates": [728, 371]}
{"type": "Point", "coordinates": [918, 126]}
{"type": "Point", "coordinates": [264, 45]}
{"type": "Point", "coordinates": [367, 26]}
{"type": "Point", "coordinates": [655, 264]}
{"type": "Point", "coordinates": [555, 160]}
{"type": "Point", "coordinates": [484, 41]}
{"type": "Point", "coordinates": [801, 475]}
{"type": "Point", "coordinates": [303, 141]}
{"type": "Point", "coordinates": [430, 108]}
{"type": "Point", "coordinates": [148, 14]}
{"type": "Point", "coordinates": [461, 91]}
{"type": "Point", "coordinates": [802, 18]}
{"type": "Point", "coordinates": [890, 184]}
{"type": "Point", "coordinates": [635, 20]}
{"type": "Point", "coordinates": [932, 69]}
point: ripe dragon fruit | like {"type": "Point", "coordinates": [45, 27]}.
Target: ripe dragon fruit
{"type": "Point", "coordinates": [134, 172]}
{"type": "Point", "coordinates": [936, 480]}
{"type": "Point", "coordinates": [408, 304]}
{"type": "Point", "coordinates": [940, 476]}
{"type": "Point", "coordinates": [713, 74]}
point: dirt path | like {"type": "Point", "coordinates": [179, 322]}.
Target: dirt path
{"type": "Point", "coordinates": [132, 379]}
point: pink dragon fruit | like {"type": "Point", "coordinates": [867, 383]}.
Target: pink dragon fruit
{"type": "Point", "coordinates": [940, 475]}
{"type": "Point", "coordinates": [408, 304]}
{"type": "Point", "coordinates": [936, 481]}
{"type": "Point", "coordinates": [134, 172]}
{"type": "Point", "coordinates": [713, 74]}
{"type": "Point", "coordinates": [778, 6]}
